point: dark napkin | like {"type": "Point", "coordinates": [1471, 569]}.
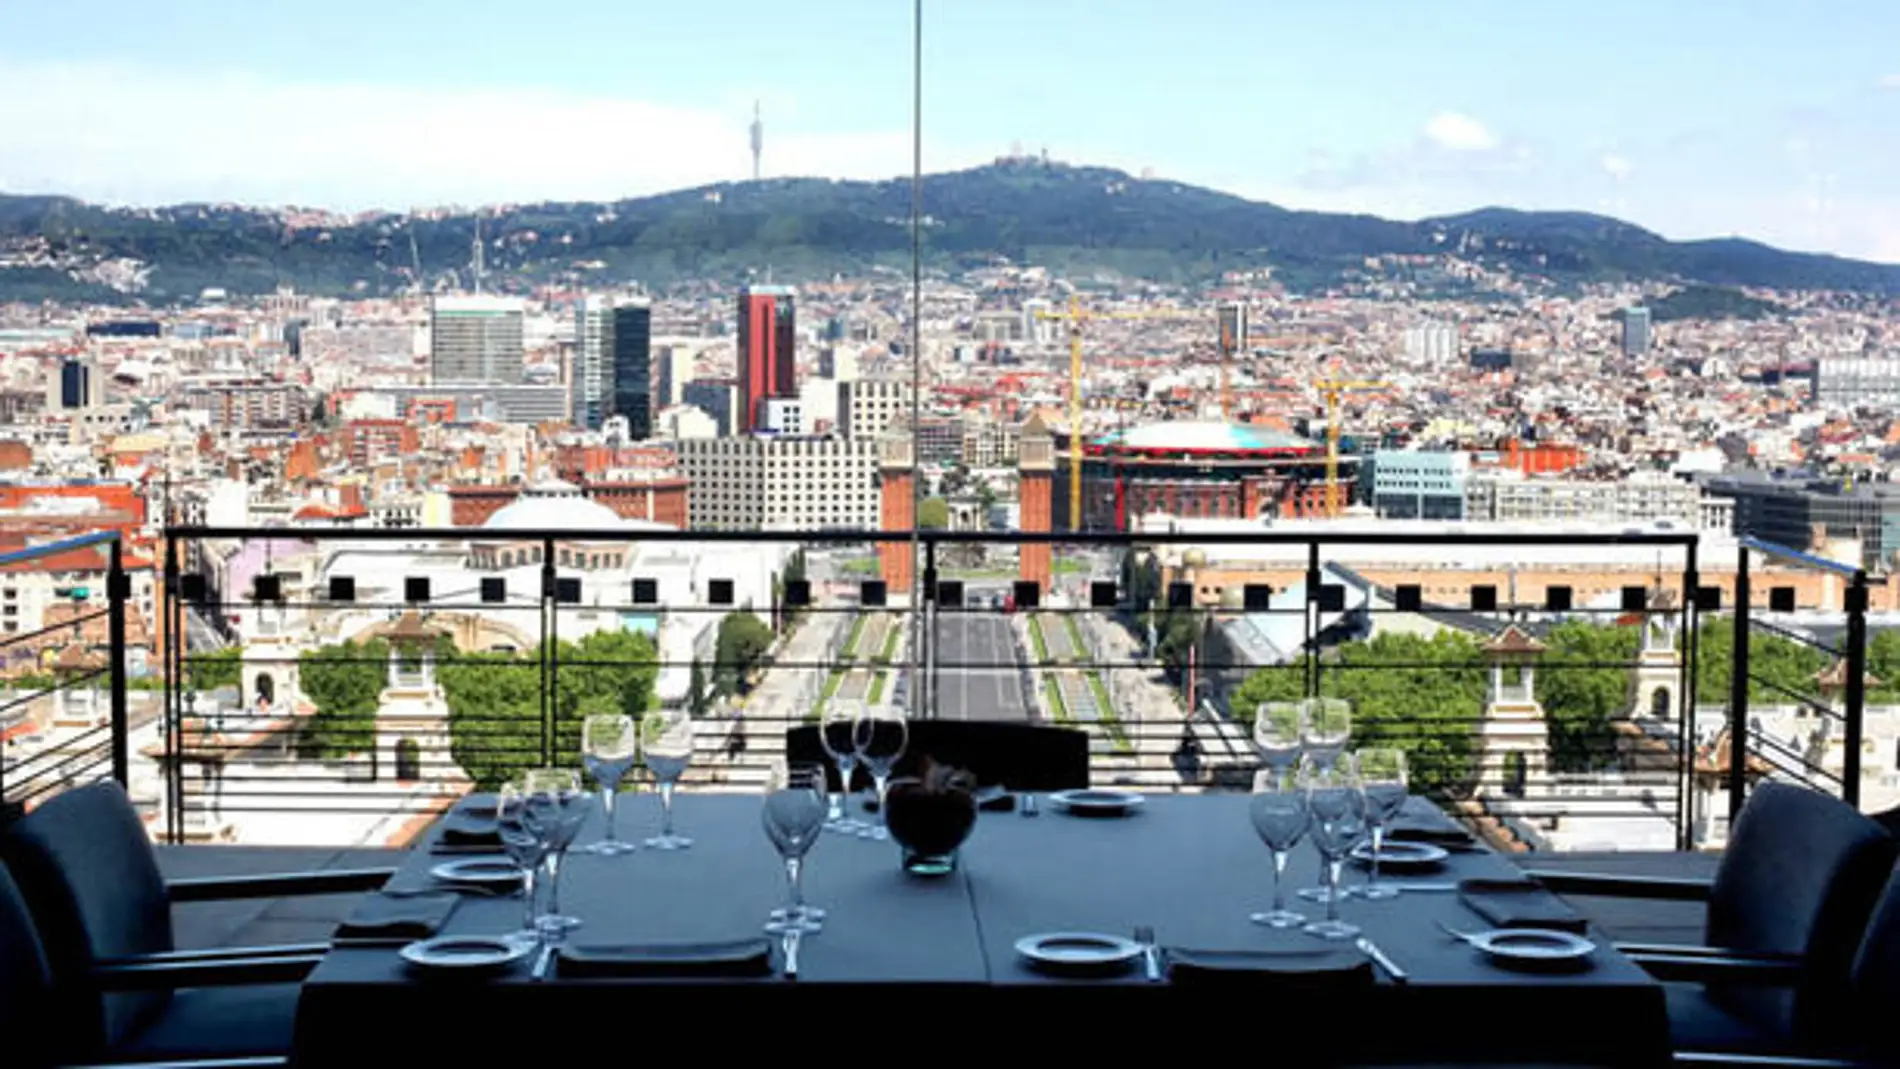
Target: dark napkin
{"type": "Point", "coordinates": [994, 800]}
{"type": "Point", "coordinates": [383, 917]}
{"type": "Point", "coordinates": [1520, 904]}
{"type": "Point", "coordinates": [1306, 966]}
{"type": "Point", "coordinates": [470, 830]}
{"type": "Point", "coordinates": [1409, 829]}
{"type": "Point", "coordinates": [741, 957]}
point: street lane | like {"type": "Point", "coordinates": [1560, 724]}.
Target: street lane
{"type": "Point", "coordinates": [988, 689]}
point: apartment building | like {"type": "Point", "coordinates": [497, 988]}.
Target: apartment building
{"type": "Point", "coordinates": [780, 482]}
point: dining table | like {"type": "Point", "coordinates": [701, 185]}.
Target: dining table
{"type": "Point", "coordinates": [909, 965]}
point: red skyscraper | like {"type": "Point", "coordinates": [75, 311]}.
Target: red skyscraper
{"type": "Point", "coordinates": [767, 333]}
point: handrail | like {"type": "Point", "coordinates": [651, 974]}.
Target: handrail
{"type": "Point", "coordinates": [1795, 556]}
{"type": "Point", "coordinates": [47, 549]}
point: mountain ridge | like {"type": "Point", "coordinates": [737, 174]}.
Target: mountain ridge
{"type": "Point", "coordinates": [1074, 219]}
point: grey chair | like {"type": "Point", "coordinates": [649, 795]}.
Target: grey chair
{"type": "Point", "coordinates": [117, 989]}
{"type": "Point", "coordinates": [1787, 911]}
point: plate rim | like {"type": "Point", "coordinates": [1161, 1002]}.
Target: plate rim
{"type": "Point", "coordinates": [1124, 949]}
{"type": "Point", "coordinates": [1574, 945]}
{"type": "Point", "coordinates": [516, 949]}
{"type": "Point", "coordinates": [1421, 853]}
{"type": "Point", "coordinates": [444, 871]}
{"type": "Point", "coordinates": [1111, 798]}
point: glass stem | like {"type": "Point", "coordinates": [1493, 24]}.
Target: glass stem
{"type": "Point", "coordinates": [795, 881]}
{"type": "Point", "coordinates": [1332, 890]}
{"type": "Point", "coordinates": [666, 808]}
{"type": "Point", "coordinates": [1372, 874]}
{"type": "Point", "coordinates": [882, 780]}
{"type": "Point", "coordinates": [528, 885]}
{"type": "Point", "coordinates": [554, 883]}
{"type": "Point", "coordinates": [836, 812]}
{"type": "Point", "coordinates": [1279, 883]}
{"type": "Point", "coordinates": [607, 792]}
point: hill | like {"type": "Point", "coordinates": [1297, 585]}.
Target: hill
{"type": "Point", "coordinates": [1073, 219]}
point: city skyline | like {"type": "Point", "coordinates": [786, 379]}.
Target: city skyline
{"type": "Point", "coordinates": [1660, 117]}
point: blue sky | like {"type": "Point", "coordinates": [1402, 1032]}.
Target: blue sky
{"type": "Point", "coordinates": [1693, 117]}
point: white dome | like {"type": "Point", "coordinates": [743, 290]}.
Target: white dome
{"type": "Point", "coordinates": [555, 505]}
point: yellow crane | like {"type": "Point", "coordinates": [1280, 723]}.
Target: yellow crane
{"type": "Point", "coordinates": [1332, 390]}
{"type": "Point", "coordinates": [1076, 315]}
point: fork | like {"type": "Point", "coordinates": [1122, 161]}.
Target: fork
{"type": "Point", "coordinates": [1150, 953]}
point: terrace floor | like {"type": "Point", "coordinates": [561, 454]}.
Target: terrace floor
{"type": "Point", "coordinates": [267, 921]}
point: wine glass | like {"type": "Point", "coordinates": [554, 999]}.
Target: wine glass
{"type": "Point", "coordinates": [837, 733]}
{"type": "Point", "coordinates": [1279, 814]}
{"type": "Point", "coordinates": [556, 809]}
{"type": "Point", "coordinates": [1328, 728]}
{"type": "Point", "coordinates": [521, 840]}
{"type": "Point", "coordinates": [667, 742]}
{"type": "Point", "coordinates": [793, 817]}
{"type": "Point", "coordinates": [1382, 776]}
{"type": "Point", "coordinates": [1279, 730]}
{"type": "Point", "coordinates": [610, 744]}
{"type": "Point", "coordinates": [1338, 809]}
{"type": "Point", "coordinates": [880, 735]}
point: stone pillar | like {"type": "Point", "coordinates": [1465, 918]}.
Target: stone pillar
{"type": "Point", "coordinates": [897, 472]}
{"type": "Point", "coordinates": [1036, 471]}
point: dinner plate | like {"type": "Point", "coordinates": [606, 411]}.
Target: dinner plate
{"type": "Point", "coordinates": [1401, 855]}
{"type": "Point", "coordinates": [1098, 801]}
{"type": "Point", "coordinates": [1532, 947]}
{"type": "Point", "coordinates": [483, 871]}
{"type": "Point", "coordinates": [467, 953]}
{"type": "Point", "coordinates": [1085, 952]}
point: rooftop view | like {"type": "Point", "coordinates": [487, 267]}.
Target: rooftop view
{"type": "Point", "coordinates": [1391, 507]}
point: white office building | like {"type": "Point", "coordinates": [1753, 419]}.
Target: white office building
{"type": "Point", "coordinates": [868, 407]}
{"type": "Point", "coordinates": [774, 482]}
{"type": "Point", "coordinates": [476, 340]}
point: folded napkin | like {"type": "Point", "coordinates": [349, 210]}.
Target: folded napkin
{"type": "Point", "coordinates": [467, 829]}
{"type": "Point", "coordinates": [1306, 966]}
{"type": "Point", "coordinates": [483, 806]}
{"type": "Point", "coordinates": [741, 957]}
{"type": "Point", "coordinates": [1520, 904]}
{"type": "Point", "coordinates": [382, 917]}
{"type": "Point", "coordinates": [995, 800]}
{"type": "Point", "coordinates": [1410, 829]}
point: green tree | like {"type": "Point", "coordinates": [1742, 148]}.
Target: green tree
{"type": "Point", "coordinates": [1777, 667]}
{"type": "Point", "coordinates": [933, 514]}
{"type": "Point", "coordinates": [218, 668]}
{"type": "Point", "coordinates": [1176, 632]}
{"type": "Point", "coordinates": [742, 640]}
{"type": "Point", "coordinates": [343, 682]}
{"type": "Point", "coordinates": [1883, 663]}
{"type": "Point", "coordinates": [1583, 682]}
{"type": "Point", "coordinates": [697, 700]}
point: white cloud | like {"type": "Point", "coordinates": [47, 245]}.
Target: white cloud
{"type": "Point", "coordinates": [1889, 81]}
{"type": "Point", "coordinates": [1617, 167]}
{"type": "Point", "coordinates": [1458, 132]}
{"type": "Point", "coordinates": [145, 136]}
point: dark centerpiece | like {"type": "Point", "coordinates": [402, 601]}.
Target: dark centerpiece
{"type": "Point", "coordinates": [930, 815]}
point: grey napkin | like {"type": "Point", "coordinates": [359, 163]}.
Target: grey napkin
{"type": "Point", "coordinates": [740, 957]}
{"type": "Point", "coordinates": [1305, 966]}
{"type": "Point", "coordinates": [382, 917]}
{"type": "Point", "coordinates": [1520, 904]}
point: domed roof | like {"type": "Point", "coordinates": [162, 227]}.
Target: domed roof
{"type": "Point", "coordinates": [1202, 436]}
{"type": "Point", "coordinates": [554, 504]}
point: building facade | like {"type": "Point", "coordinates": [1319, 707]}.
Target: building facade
{"type": "Point", "coordinates": [475, 340]}
{"type": "Point", "coordinates": [774, 482]}
{"type": "Point", "coordinates": [1806, 514]}
{"type": "Point", "coordinates": [768, 336]}
{"type": "Point", "coordinates": [1635, 331]}
{"type": "Point", "coordinates": [632, 376]}
{"type": "Point", "coordinates": [1849, 382]}
{"type": "Point", "coordinates": [869, 407]}
{"type": "Point", "coordinates": [718, 398]}
{"type": "Point", "coordinates": [1644, 497]}
{"type": "Point", "coordinates": [1419, 485]}
{"type": "Point", "coordinates": [591, 379]}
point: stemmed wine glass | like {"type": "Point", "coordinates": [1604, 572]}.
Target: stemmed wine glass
{"type": "Point", "coordinates": [521, 839]}
{"type": "Point", "coordinates": [1327, 728]}
{"type": "Point", "coordinates": [667, 740]}
{"type": "Point", "coordinates": [837, 733]}
{"type": "Point", "coordinates": [555, 810]}
{"type": "Point", "coordinates": [1338, 809]}
{"type": "Point", "coordinates": [880, 735]}
{"type": "Point", "coordinates": [610, 745]}
{"type": "Point", "coordinates": [1279, 813]}
{"type": "Point", "coordinates": [1279, 731]}
{"type": "Point", "coordinates": [793, 816]}
{"type": "Point", "coordinates": [1382, 777]}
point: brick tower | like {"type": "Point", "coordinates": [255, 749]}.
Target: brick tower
{"type": "Point", "coordinates": [1036, 470]}
{"type": "Point", "coordinates": [897, 475]}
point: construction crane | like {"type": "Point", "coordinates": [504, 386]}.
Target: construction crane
{"type": "Point", "coordinates": [1076, 316]}
{"type": "Point", "coordinates": [1332, 390]}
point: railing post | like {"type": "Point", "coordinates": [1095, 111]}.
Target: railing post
{"type": "Point", "coordinates": [118, 589]}
{"type": "Point", "coordinates": [549, 632]}
{"type": "Point", "coordinates": [1738, 693]}
{"type": "Point", "coordinates": [172, 765]}
{"type": "Point", "coordinates": [925, 700]}
{"type": "Point", "coordinates": [1687, 686]}
{"type": "Point", "coordinates": [1312, 618]}
{"type": "Point", "coordinates": [1856, 695]}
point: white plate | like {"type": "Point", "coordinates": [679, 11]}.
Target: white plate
{"type": "Point", "coordinates": [467, 953]}
{"type": "Point", "coordinates": [1078, 951]}
{"type": "Point", "coordinates": [485, 871]}
{"type": "Point", "coordinates": [1533, 946]}
{"type": "Point", "coordinates": [1098, 800]}
{"type": "Point", "coordinates": [1401, 855]}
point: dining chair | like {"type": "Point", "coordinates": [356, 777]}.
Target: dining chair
{"type": "Point", "coordinates": [101, 913]}
{"type": "Point", "coordinates": [1018, 757]}
{"type": "Point", "coordinates": [1787, 910]}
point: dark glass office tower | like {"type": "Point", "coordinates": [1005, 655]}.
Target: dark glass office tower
{"type": "Point", "coordinates": [633, 368]}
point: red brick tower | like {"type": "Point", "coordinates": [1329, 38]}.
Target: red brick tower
{"type": "Point", "coordinates": [1036, 470]}
{"type": "Point", "coordinates": [897, 473]}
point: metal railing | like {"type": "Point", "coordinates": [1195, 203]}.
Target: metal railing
{"type": "Point", "coordinates": [339, 685]}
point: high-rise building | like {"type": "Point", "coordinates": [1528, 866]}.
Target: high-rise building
{"type": "Point", "coordinates": [769, 482]}
{"type": "Point", "coordinates": [1231, 317]}
{"type": "Point", "coordinates": [672, 370]}
{"type": "Point", "coordinates": [475, 340]}
{"type": "Point", "coordinates": [768, 334]}
{"type": "Point", "coordinates": [632, 347]}
{"type": "Point", "coordinates": [76, 383]}
{"type": "Point", "coordinates": [591, 381]}
{"type": "Point", "coordinates": [1635, 331]}
{"type": "Point", "coordinates": [718, 398]}
{"type": "Point", "coordinates": [1432, 343]}
{"type": "Point", "coordinates": [868, 407]}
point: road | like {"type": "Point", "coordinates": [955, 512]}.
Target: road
{"type": "Point", "coordinates": [989, 690]}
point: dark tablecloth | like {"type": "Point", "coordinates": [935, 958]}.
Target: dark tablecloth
{"type": "Point", "coordinates": [901, 953]}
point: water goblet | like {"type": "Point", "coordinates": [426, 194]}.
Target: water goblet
{"type": "Point", "coordinates": [556, 809]}
{"type": "Point", "coordinates": [610, 746]}
{"type": "Point", "coordinates": [667, 744]}
{"type": "Point", "coordinates": [1279, 730]}
{"type": "Point", "coordinates": [1279, 813]}
{"type": "Point", "coordinates": [1338, 809]}
{"type": "Point", "coordinates": [837, 733]}
{"type": "Point", "coordinates": [793, 817]}
{"type": "Point", "coordinates": [880, 735]}
{"type": "Point", "coordinates": [1382, 775]}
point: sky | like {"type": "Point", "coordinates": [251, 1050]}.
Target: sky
{"type": "Point", "coordinates": [1695, 118]}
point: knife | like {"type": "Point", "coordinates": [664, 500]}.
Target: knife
{"type": "Point", "coordinates": [1371, 950]}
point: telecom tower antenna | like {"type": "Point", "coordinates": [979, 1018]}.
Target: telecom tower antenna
{"type": "Point", "coordinates": [476, 262]}
{"type": "Point", "coordinates": [758, 139]}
